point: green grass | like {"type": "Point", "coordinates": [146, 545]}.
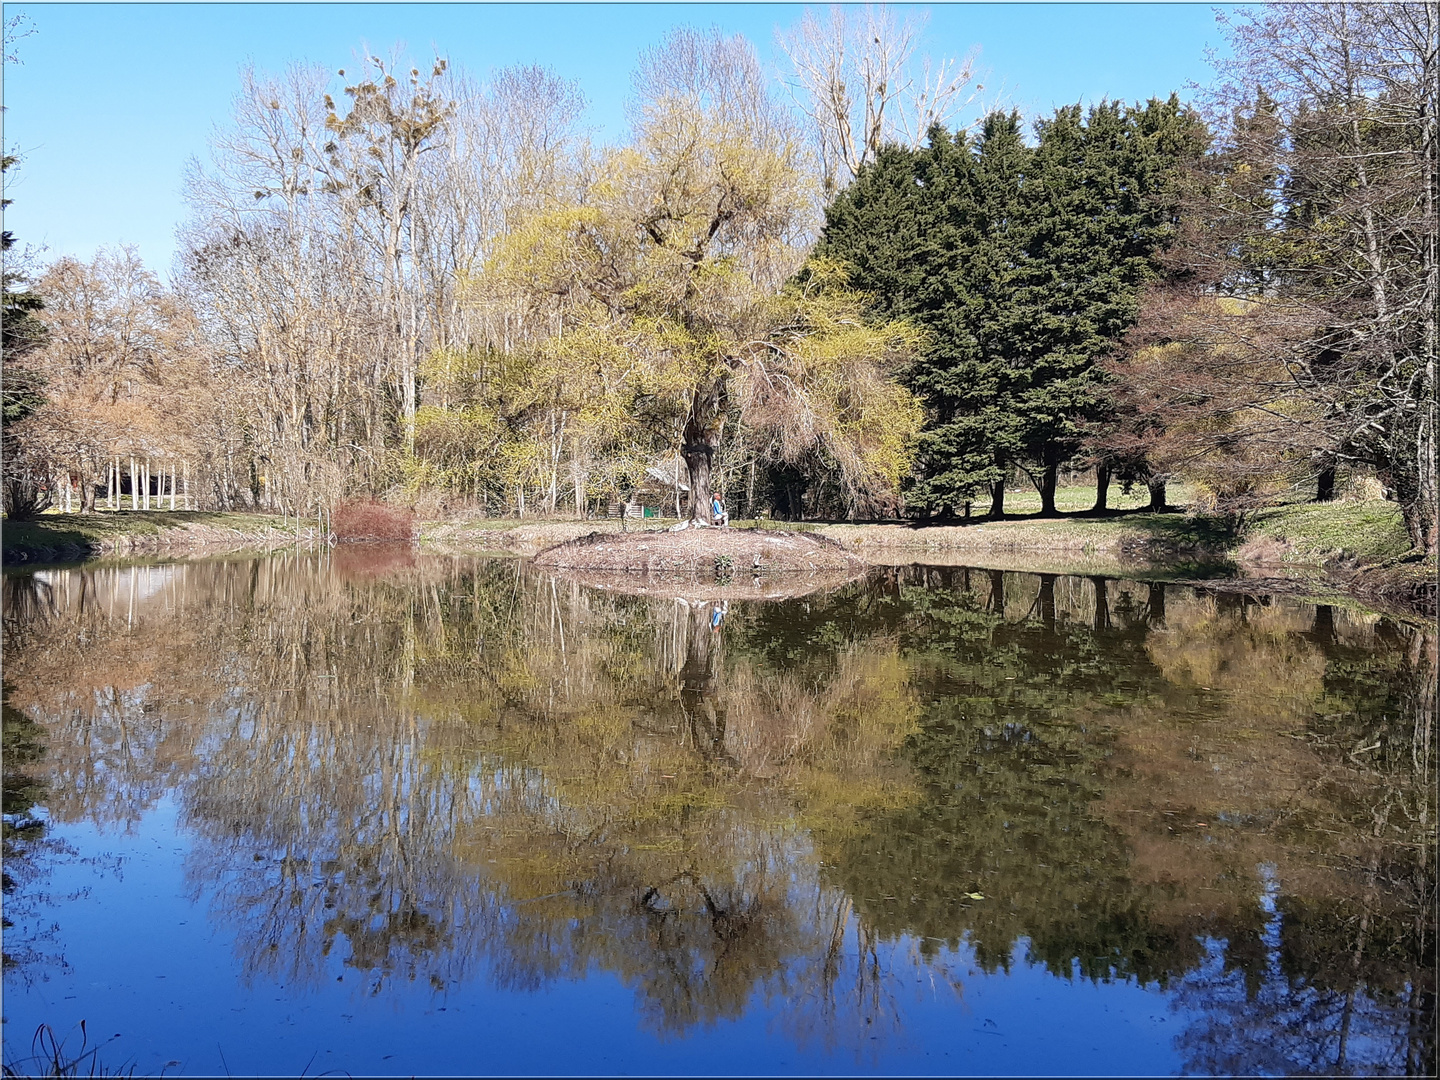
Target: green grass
{"type": "Point", "coordinates": [1361, 532]}
{"type": "Point", "coordinates": [1080, 498]}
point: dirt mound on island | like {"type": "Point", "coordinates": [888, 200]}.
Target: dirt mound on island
{"type": "Point", "coordinates": [704, 554]}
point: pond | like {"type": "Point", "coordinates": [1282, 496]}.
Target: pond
{"type": "Point", "coordinates": [382, 812]}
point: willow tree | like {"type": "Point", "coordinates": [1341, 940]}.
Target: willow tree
{"type": "Point", "coordinates": [667, 284]}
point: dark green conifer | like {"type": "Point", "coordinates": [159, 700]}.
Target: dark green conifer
{"type": "Point", "coordinates": [1024, 266]}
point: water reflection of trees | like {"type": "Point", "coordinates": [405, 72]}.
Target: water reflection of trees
{"type": "Point", "coordinates": [441, 768]}
{"type": "Point", "coordinates": [1109, 772]}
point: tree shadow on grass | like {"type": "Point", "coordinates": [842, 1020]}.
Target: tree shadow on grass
{"type": "Point", "coordinates": [1213, 532]}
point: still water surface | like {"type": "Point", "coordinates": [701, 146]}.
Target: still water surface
{"type": "Point", "coordinates": [391, 813]}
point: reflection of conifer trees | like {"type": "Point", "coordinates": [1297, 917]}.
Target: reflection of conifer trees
{"type": "Point", "coordinates": [1028, 748]}
{"type": "Point", "coordinates": [1011, 756]}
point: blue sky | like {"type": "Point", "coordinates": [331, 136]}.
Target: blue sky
{"type": "Point", "coordinates": [111, 100]}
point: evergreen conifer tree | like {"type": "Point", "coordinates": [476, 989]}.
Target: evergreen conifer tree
{"type": "Point", "coordinates": [1023, 265]}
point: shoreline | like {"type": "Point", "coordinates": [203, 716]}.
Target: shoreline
{"type": "Point", "coordinates": [1335, 549]}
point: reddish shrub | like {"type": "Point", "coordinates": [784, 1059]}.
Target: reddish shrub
{"type": "Point", "coordinates": [370, 520]}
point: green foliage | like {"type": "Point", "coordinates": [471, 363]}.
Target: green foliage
{"type": "Point", "coordinates": [20, 330]}
{"type": "Point", "coordinates": [1023, 265]}
{"type": "Point", "coordinates": [1359, 531]}
{"type": "Point", "coordinates": [22, 390]}
{"type": "Point", "coordinates": [24, 746]}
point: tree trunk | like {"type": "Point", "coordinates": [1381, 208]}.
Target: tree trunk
{"type": "Point", "coordinates": [87, 490]}
{"type": "Point", "coordinates": [1421, 516]}
{"type": "Point", "coordinates": [1325, 485]}
{"type": "Point", "coordinates": [997, 490]}
{"type": "Point", "coordinates": [997, 592]}
{"type": "Point", "coordinates": [701, 438]}
{"type": "Point", "coordinates": [1157, 493]}
{"type": "Point", "coordinates": [1049, 479]}
{"type": "Point", "coordinates": [699, 686]}
{"type": "Point", "coordinates": [134, 485]}
{"type": "Point", "coordinates": [174, 477]}
{"type": "Point", "coordinates": [1046, 601]}
{"type": "Point", "coordinates": [1102, 604]}
{"type": "Point", "coordinates": [1102, 488]}
{"type": "Point", "coordinates": [1155, 605]}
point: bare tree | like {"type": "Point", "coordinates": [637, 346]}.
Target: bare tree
{"type": "Point", "coordinates": [1317, 227]}
{"type": "Point", "coordinates": [858, 79]}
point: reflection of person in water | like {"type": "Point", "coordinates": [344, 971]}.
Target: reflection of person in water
{"type": "Point", "coordinates": [718, 615]}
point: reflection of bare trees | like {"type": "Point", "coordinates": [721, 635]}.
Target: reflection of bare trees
{"type": "Point", "coordinates": [420, 768]}
{"type": "Point", "coordinates": [413, 768]}
{"type": "Point", "coordinates": [1289, 1024]}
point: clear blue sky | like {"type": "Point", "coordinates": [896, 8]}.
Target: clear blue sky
{"type": "Point", "coordinates": [111, 100]}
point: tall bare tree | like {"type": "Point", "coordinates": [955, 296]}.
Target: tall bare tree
{"type": "Point", "coordinates": [1304, 299]}
{"type": "Point", "coordinates": [856, 76]}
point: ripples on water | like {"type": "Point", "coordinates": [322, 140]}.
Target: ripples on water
{"type": "Point", "coordinates": [386, 812]}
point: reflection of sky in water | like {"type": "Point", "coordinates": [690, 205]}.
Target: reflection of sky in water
{"type": "Point", "coordinates": [940, 824]}
{"type": "Point", "coordinates": [163, 976]}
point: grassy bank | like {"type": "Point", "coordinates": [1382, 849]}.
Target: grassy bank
{"type": "Point", "coordinates": [1308, 534]}
{"type": "Point", "coordinates": [67, 537]}
{"type": "Point", "coordinates": [1357, 546]}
